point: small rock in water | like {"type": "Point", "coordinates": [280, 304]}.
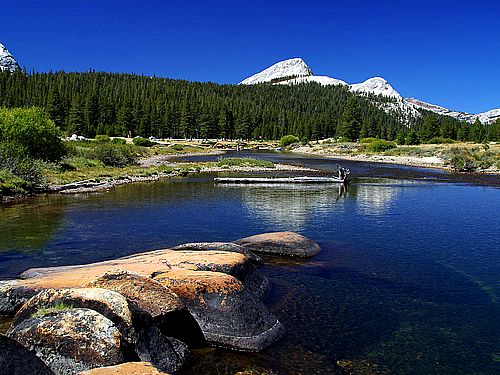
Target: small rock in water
{"type": "Point", "coordinates": [281, 243]}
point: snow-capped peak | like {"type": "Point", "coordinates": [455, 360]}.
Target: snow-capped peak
{"type": "Point", "coordinates": [377, 86]}
{"type": "Point", "coordinates": [284, 69]}
{"type": "Point", "coordinates": [7, 61]}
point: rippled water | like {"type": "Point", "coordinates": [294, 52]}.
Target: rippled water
{"type": "Point", "coordinates": [407, 280]}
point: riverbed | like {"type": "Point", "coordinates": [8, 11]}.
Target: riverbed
{"type": "Point", "coordinates": [406, 283]}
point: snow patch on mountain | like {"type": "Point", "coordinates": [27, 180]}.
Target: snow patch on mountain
{"type": "Point", "coordinates": [486, 118]}
{"type": "Point", "coordinates": [284, 69]}
{"type": "Point", "coordinates": [7, 61]}
{"type": "Point", "coordinates": [376, 86]}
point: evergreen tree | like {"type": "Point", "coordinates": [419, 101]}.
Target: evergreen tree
{"type": "Point", "coordinates": [477, 133]}
{"type": "Point", "coordinates": [77, 123]}
{"type": "Point", "coordinates": [430, 127]}
{"type": "Point", "coordinates": [55, 107]}
{"type": "Point", "coordinates": [351, 122]}
{"type": "Point", "coordinates": [125, 120]}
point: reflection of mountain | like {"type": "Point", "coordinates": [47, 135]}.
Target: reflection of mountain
{"type": "Point", "coordinates": [374, 199]}
{"type": "Point", "coordinates": [288, 206]}
{"type": "Point", "coordinates": [29, 227]}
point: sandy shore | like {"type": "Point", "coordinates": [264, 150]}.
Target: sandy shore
{"type": "Point", "coordinates": [424, 162]}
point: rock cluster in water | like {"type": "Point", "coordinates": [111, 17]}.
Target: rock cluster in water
{"type": "Point", "coordinates": [143, 312]}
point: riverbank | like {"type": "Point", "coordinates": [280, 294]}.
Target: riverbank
{"type": "Point", "coordinates": [448, 157]}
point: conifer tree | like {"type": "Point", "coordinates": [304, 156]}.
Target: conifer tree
{"type": "Point", "coordinates": [55, 107]}
{"type": "Point", "coordinates": [77, 123]}
{"type": "Point", "coordinates": [351, 121]}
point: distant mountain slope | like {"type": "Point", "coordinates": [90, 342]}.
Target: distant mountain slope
{"type": "Point", "coordinates": [7, 61]}
{"type": "Point", "coordinates": [296, 71]}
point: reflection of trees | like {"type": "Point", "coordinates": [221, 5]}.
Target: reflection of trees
{"type": "Point", "coordinates": [288, 206]}
{"type": "Point", "coordinates": [374, 199]}
{"type": "Point", "coordinates": [30, 226]}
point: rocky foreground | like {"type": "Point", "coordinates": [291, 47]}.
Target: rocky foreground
{"type": "Point", "coordinates": [142, 313]}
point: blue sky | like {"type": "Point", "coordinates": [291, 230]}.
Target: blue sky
{"type": "Point", "coordinates": [443, 52]}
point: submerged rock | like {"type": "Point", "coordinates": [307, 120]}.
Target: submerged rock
{"type": "Point", "coordinates": [227, 313]}
{"type": "Point", "coordinates": [281, 243]}
{"type": "Point", "coordinates": [72, 340]}
{"type": "Point", "coordinates": [220, 246]}
{"type": "Point", "coordinates": [15, 359]}
{"type": "Point", "coordinates": [129, 368]}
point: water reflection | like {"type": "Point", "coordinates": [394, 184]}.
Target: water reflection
{"type": "Point", "coordinates": [30, 226]}
{"type": "Point", "coordinates": [288, 206]}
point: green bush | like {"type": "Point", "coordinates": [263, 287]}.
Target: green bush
{"type": "Point", "coordinates": [287, 140]}
{"type": "Point", "coordinates": [367, 140]}
{"type": "Point", "coordinates": [11, 184]}
{"type": "Point", "coordinates": [101, 138]}
{"type": "Point", "coordinates": [244, 162]}
{"type": "Point", "coordinates": [115, 155]}
{"type": "Point", "coordinates": [304, 141]}
{"type": "Point", "coordinates": [413, 138]}
{"type": "Point", "coordinates": [18, 168]}
{"type": "Point", "coordinates": [177, 147]}
{"type": "Point", "coordinates": [144, 142]}
{"type": "Point", "coordinates": [118, 141]}
{"type": "Point", "coordinates": [380, 145]}
{"type": "Point", "coordinates": [32, 129]}
{"type": "Point", "coordinates": [440, 140]}
{"type": "Point", "coordinates": [462, 160]}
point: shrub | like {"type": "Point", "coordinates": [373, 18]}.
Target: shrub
{"type": "Point", "coordinates": [177, 147]}
{"type": "Point", "coordinates": [18, 168]}
{"type": "Point", "coordinates": [462, 160]}
{"type": "Point", "coordinates": [413, 138]}
{"type": "Point", "coordinates": [304, 141]}
{"type": "Point", "coordinates": [11, 184]}
{"type": "Point", "coordinates": [367, 140]}
{"type": "Point", "coordinates": [287, 140]}
{"type": "Point", "coordinates": [400, 138]}
{"type": "Point", "coordinates": [440, 140]}
{"type": "Point", "coordinates": [380, 145]}
{"type": "Point", "coordinates": [118, 141]}
{"type": "Point", "coordinates": [115, 155]}
{"type": "Point", "coordinates": [32, 129]}
{"type": "Point", "coordinates": [102, 138]}
{"type": "Point", "coordinates": [144, 142]}
{"type": "Point", "coordinates": [244, 162]}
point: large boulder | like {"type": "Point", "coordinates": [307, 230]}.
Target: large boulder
{"type": "Point", "coordinates": [149, 298]}
{"type": "Point", "coordinates": [13, 295]}
{"type": "Point", "coordinates": [71, 340]}
{"type": "Point", "coordinates": [129, 368]}
{"type": "Point", "coordinates": [106, 302]}
{"type": "Point", "coordinates": [280, 243]}
{"type": "Point", "coordinates": [219, 246]}
{"type": "Point", "coordinates": [15, 359]}
{"type": "Point", "coordinates": [145, 293]}
{"type": "Point", "coordinates": [227, 313]}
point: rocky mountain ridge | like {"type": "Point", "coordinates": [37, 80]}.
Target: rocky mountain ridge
{"type": "Point", "coordinates": [7, 61]}
{"type": "Point", "coordinates": [296, 71]}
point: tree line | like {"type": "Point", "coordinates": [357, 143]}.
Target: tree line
{"type": "Point", "coordinates": [94, 103]}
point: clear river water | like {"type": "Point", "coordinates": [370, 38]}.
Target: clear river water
{"type": "Point", "coordinates": [407, 282]}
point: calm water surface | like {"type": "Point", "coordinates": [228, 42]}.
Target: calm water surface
{"type": "Point", "coordinates": [408, 276]}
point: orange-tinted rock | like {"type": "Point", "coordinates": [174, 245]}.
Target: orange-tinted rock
{"type": "Point", "coordinates": [129, 368]}
{"type": "Point", "coordinates": [227, 313]}
{"type": "Point", "coordinates": [145, 293]}
{"type": "Point", "coordinates": [280, 243]}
